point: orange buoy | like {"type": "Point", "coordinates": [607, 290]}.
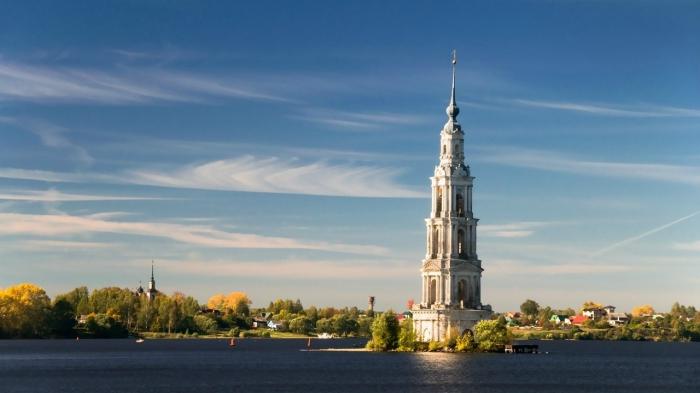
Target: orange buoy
{"type": "Point", "coordinates": [232, 342]}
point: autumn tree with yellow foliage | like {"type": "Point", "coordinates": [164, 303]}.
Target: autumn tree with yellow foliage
{"type": "Point", "coordinates": [24, 310]}
{"type": "Point", "coordinates": [233, 303]}
{"type": "Point", "coordinates": [643, 311]}
{"type": "Point", "coordinates": [591, 304]}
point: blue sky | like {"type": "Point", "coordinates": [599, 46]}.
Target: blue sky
{"type": "Point", "coordinates": [284, 149]}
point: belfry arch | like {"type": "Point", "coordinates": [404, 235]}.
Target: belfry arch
{"type": "Point", "coordinates": [460, 205]}
{"type": "Point", "coordinates": [432, 297]}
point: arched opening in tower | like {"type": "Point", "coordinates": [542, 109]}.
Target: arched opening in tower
{"type": "Point", "coordinates": [432, 291]}
{"type": "Point", "coordinates": [462, 292]}
{"type": "Point", "coordinates": [460, 205]}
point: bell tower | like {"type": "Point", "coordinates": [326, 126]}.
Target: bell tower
{"type": "Point", "coordinates": [451, 269]}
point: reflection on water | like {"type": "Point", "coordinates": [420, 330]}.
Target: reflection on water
{"type": "Point", "coordinates": [447, 369]}
{"type": "Point", "coordinates": [211, 366]}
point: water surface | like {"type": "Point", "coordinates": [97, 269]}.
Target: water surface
{"type": "Point", "coordinates": [258, 365]}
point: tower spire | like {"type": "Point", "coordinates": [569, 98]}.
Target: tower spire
{"type": "Point", "coordinates": [452, 109]}
{"type": "Point", "coordinates": [152, 279]}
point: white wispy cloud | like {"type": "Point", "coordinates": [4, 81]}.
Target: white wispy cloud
{"type": "Point", "coordinates": [359, 121]}
{"type": "Point", "coordinates": [554, 162]}
{"type": "Point", "coordinates": [52, 195]}
{"type": "Point", "coordinates": [276, 175]}
{"type": "Point", "coordinates": [513, 229]}
{"type": "Point", "coordinates": [119, 86]}
{"type": "Point", "coordinates": [635, 238]}
{"type": "Point", "coordinates": [197, 148]}
{"type": "Point", "coordinates": [689, 246]}
{"type": "Point", "coordinates": [611, 109]}
{"type": "Point", "coordinates": [53, 245]}
{"type": "Point", "coordinates": [500, 267]}
{"type": "Point", "coordinates": [55, 177]}
{"type": "Point", "coordinates": [292, 268]}
{"type": "Point", "coordinates": [250, 174]}
{"type": "Point", "coordinates": [53, 225]}
{"type": "Point", "coordinates": [50, 135]}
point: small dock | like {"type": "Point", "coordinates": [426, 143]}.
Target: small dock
{"type": "Point", "coordinates": [522, 348]}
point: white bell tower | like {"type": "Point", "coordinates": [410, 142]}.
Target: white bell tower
{"type": "Point", "coordinates": [451, 270]}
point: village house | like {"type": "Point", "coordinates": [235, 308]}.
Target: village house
{"type": "Point", "coordinates": [261, 321]}
{"type": "Point", "coordinates": [594, 313]}
{"type": "Point", "coordinates": [578, 319]}
{"type": "Point", "coordinates": [617, 319]}
{"type": "Point", "coordinates": [560, 319]}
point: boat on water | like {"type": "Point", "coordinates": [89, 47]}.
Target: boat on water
{"type": "Point", "coordinates": [325, 335]}
{"type": "Point", "coordinates": [139, 340]}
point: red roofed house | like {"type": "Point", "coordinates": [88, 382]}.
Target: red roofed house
{"type": "Point", "coordinates": [578, 319]}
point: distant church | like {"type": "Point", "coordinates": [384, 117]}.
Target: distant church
{"type": "Point", "coordinates": [451, 270]}
{"type": "Point", "coordinates": [152, 291]}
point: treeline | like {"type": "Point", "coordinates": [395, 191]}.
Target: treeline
{"type": "Point", "coordinates": [682, 323]}
{"type": "Point", "coordinates": [27, 312]}
{"type": "Point", "coordinates": [289, 315]}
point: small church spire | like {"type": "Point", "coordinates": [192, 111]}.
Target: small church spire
{"type": "Point", "coordinates": [452, 109]}
{"type": "Point", "coordinates": [152, 291]}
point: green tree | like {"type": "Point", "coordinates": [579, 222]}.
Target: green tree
{"type": "Point", "coordinates": [205, 324]}
{"type": "Point", "coordinates": [105, 326]}
{"type": "Point", "coordinates": [78, 298]}
{"type": "Point", "coordinates": [491, 336]}
{"type": "Point", "coordinates": [312, 314]}
{"type": "Point", "coordinates": [62, 319]}
{"type": "Point", "coordinates": [465, 342]}
{"type": "Point", "coordinates": [530, 307]}
{"type": "Point", "coordinates": [324, 325]}
{"type": "Point", "coordinates": [120, 302]}
{"type": "Point", "coordinates": [385, 332]}
{"type": "Point", "coordinates": [680, 311]}
{"type": "Point", "coordinates": [301, 325]}
{"type": "Point", "coordinates": [407, 336]}
{"type": "Point", "coordinates": [364, 326]}
{"type": "Point", "coordinates": [343, 325]}
{"type": "Point", "coordinates": [544, 315]}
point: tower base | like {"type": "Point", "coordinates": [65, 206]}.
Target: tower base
{"type": "Point", "coordinates": [436, 324]}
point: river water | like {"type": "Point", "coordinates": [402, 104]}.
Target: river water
{"type": "Point", "coordinates": [259, 365]}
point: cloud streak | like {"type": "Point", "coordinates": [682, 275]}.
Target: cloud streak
{"type": "Point", "coordinates": [119, 87]}
{"type": "Point", "coordinates": [275, 175]}
{"type": "Point", "coordinates": [505, 267]}
{"type": "Point", "coordinates": [293, 269]}
{"type": "Point", "coordinates": [50, 135]}
{"type": "Point", "coordinates": [359, 121]}
{"type": "Point", "coordinates": [57, 196]}
{"type": "Point", "coordinates": [690, 246]}
{"type": "Point", "coordinates": [249, 174]}
{"type": "Point", "coordinates": [548, 161]}
{"type": "Point", "coordinates": [610, 110]}
{"type": "Point", "coordinates": [12, 224]}
{"type": "Point", "coordinates": [512, 230]}
{"type": "Point", "coordinates": [54, 245]}
{"type": "Point", "coordinates": [633, 239]}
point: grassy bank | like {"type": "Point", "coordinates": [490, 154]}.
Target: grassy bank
{"type": "Point", "coordinates": [222, 335]}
